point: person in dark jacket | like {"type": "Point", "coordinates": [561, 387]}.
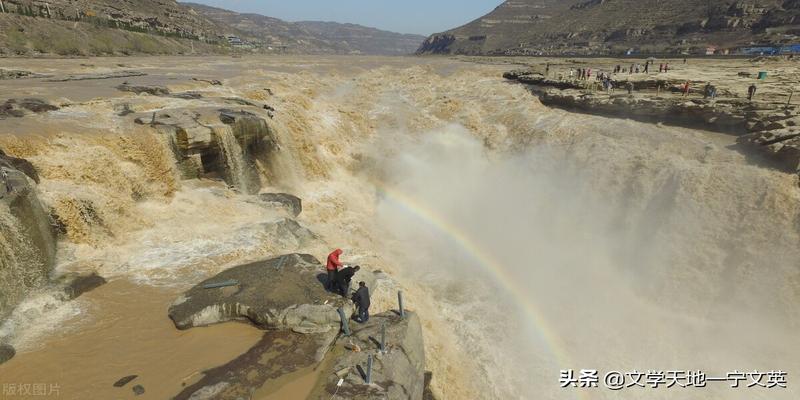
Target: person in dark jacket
{"type": "Point", "coordinates": [361, 299]}
{"type": "Point", "coordinates": [343, 278]}
{"type": "Point", "coordinates": [332, 267]}
{"type": "Point", "coordinates": [751, 91]}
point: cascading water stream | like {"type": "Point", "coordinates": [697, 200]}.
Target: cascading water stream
{"type": "Point", "coordinates": [235, 162]}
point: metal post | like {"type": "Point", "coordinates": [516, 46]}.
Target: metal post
{"type": "Point", "coordinates": [400, 300]}
{"type": "Point", "coordinates": [383, 337]}
{"type": "Point", "coordinates": [369, 370]}
{"type": "Point", "coordinates": [345, 324]}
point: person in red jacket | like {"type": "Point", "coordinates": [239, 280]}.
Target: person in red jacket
{"type": "Point", "coordinates": [333, 267]}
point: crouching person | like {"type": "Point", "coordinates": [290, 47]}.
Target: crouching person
{"type": "Point", "coordinates": [361, 300]}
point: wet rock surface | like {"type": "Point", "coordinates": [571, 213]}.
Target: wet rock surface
{"type": "Point", "coordinates": [76, 284]}
{"type": "Point", "coordinates": [17, 74]}
{"type": "Point", "coordinates": [279, 293]}
{"type": "Point", "coordinates": [18, 108]}
{"type": "Point", "coordinates": [6, 353]}
{"type": "Point", "coordinates": [96, 76]}
{"type": "Point", "coordinates": [213, 142]}
{"type": "Point", "coordinates": [397, 373]}
{"type": "Point", "coordinates": [290, 202]}
{"type": "Point", "coordinates": [31, 257]}
{"type": "Point", "coordinates": [139, 89]}
{"type": "Point", "coordinates": [125, 380]}
{"type": "Point", "coordinates": [19, 164]}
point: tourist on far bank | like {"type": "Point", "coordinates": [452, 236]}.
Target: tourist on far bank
{"type": "Point", "coordinates": [707, 90]}
{"type": "Point", "coordinates": [630, 87]}
{"type": "Point", "coordinates": [630, 71]}
{"type": "Point", "coordinates": [751, 91]}
{"type": "Point", "coordinates": [686, 89]}
{"type": "Point", "coordinates": [647, 67]}
{"type": "Point", "coordinates": [666, 67]}
{"type": "Point", "coordinates": [343, 279]}
{"type": "Point", "coordinates": [572, 74]}
{"type": "Point", "coordinates": [361, 299]}
{"type": "Point", "coordinates": [332, 267]}
{"type": "Point", "coordinates": [547, 70]}
{"type": "Point", "coordinates": [660, 68]}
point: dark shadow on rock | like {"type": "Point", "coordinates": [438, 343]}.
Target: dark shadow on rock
{"type": "Point", "coordinates": [323, 279]}
{"type": "Point", "coordinates": [362, 372]}
{"type": "Point", "coordinates": [376, 342]}
{"type": "Point", "coordinates": [427, 394]}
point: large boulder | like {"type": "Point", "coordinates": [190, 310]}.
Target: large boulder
{"type": "Point", "coordinates": [286, 292]}
{"type": "Point", "coordinates": [209, 142]}
{"type": "Point", "coordinates": [290, 202]}
{"type": "Point", "coordinates": [398, 373]}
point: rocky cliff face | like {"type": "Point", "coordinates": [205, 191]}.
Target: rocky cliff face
{"type": "Point", "coordinates": [164, 17]}
{"type": "Point", "coordinates": [615, 26]}
{"type": "Point", "coordinates": [27, 240]}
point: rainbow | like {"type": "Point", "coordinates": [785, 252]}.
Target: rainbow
{"type": "Point", "coordinates": [555, 346]}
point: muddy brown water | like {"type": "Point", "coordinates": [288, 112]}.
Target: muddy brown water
{"type": "Point", "coordinates": [690, 247]}
{"type": "Point", "coordinates": [127, 333]}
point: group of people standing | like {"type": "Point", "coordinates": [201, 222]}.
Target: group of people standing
{"type": "Point", "coordinates": [339, 278]}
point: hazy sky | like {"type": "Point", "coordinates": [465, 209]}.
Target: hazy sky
{"type": "Point", "coordinates": [406, 16]}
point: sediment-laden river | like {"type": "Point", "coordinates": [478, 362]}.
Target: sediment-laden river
{"type": "Point", "coordinates": [529, 240]}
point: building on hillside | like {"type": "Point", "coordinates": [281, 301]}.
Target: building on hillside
{"type": "Point", "coordinates": [790, 49]}
{"type": "Point", "coordinates": [760, 50]}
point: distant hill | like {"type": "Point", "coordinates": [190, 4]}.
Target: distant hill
{"type": "Point", "coordinates": [567, 27]}
{"type": "Point", "coordinates": [309, 36]}
{"type": "Point", "coordinates": [363, 39]}
{"type": "Point", "coordinates": [118, 27]}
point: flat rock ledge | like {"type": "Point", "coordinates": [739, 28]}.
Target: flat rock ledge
{"type": "Point", "coordinates": [771, 129]}
{"type": "Point", "coordinates": [286, 292]}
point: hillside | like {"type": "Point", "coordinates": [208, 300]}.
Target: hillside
{"type": "Point", "coordinates": [310, 36]}
{"type": "Point", "coordinates": [569, 27]}
{"type": "Point", "coordinates": [105, 27]}
{"type": "Point", "coordinates": [363, 39]}
{"type": "Point", "coordinates": [124, 27]}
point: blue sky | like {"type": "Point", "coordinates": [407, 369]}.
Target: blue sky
{"type": "Point", "coordinates": [406, 16]}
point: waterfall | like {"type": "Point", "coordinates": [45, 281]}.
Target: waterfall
{"type": "Point", "coordinates": [21, 263]}
{"type": "Point", "coordinates": [235, 163]}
